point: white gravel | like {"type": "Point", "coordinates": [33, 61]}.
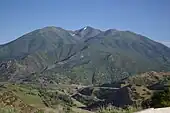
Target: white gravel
{"type": "Point", "coordinates": [158, 110]}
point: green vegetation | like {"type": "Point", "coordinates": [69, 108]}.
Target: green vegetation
{"type": "Point", "coordinates": [55, 98]}
{"type": "Point", "coordinates": [7, 110]}
{"type": "Point", "coordinates": [161, 99]}
{"type": "Point", "coordinates": [33, 98]}
{"type": "Point", "coordinates": [27, 99]}
{"type": "Point", "coordinates": [27, 94]}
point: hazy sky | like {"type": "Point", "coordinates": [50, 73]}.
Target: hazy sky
{"type": "Point", "coordinates": [147, 17]}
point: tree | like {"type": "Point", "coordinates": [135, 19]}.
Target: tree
{"type": "Point", "coordinates": [93, 78]}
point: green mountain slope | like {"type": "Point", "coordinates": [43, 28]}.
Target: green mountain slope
{"type": "Point", "coordinates": [46, 39]}
{"type": "Point", "coordinates": [85, 56]}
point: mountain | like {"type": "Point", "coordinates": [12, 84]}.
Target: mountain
{"type": "Point", "coordinates": [46, 39]}
{"type": "Point", "coordinates": [85, 56]}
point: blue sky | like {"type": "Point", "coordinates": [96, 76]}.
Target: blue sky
{"type": "Point", "coordinates": [147, 17]}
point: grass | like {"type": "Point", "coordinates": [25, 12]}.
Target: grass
{"type": "Point", "coordinates": [27, 94]}
{"type": "Point", "coordinates": [29, 100]}
{"type": "Point", "coordinates": [8, 110]}
{"type": "Point", "coordinates": [30, 96]}
{"type": "Point", "coordinates": [34, 100]}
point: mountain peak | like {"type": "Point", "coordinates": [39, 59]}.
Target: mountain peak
{"type": "Point", "coordinates": [84, 28]}
{"type": "Point", "coordinates": [110, 32]}
{"type": "Point", "coordinates": [88, 28]}
{"type": "Point", "coordinates": [52, 28]}
{"type": "Point", "coordinates": [87, 31]}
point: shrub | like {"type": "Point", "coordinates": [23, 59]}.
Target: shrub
{"type": "Point", "coordinates": [161, 99]}
{"type": "Point", "coordinates": [51, 99]}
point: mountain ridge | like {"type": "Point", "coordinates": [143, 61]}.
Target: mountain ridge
{"type": "Point", "coordinates": [54, 27]}
{"type": "Point", "coordinates": [84, 56]}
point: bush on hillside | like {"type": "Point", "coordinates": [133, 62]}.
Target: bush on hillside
{"type": "Point", "coordinates": [52, 99]}
{"type": "Point", "coordinates": [161, 99]}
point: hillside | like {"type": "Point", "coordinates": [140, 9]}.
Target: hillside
{"type": "Point", "coordinates": [85, 56]}
{"type": "Point", "coordinates": [126, 96]}
{"type": "Point", "coordinates": [132, 91]}
{"type": "Point", "coordinates": [20, 98]}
